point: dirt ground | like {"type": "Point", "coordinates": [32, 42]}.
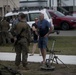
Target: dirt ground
{"type": "Point", "coordinates": [34, 69]}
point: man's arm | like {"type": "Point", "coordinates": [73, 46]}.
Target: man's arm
{"type": "Point", "coordinates": [29, 34]}
{"type": "Point", "coordinates": [50, 29]}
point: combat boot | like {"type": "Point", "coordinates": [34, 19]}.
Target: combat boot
{"type": "Point", "coordinates": [17, 67]}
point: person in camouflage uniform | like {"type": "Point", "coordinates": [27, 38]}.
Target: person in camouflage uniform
{"type": "Point", "coordinates": [4, 31]}
{"type": "Point", "coordinates": [22, 46]}
{"type": "Point", "coordinates": [0, 33]}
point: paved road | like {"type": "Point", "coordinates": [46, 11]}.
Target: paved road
{"type": "Point", "coordinates": [67, 59]}
{"type": "Point", "coordinates": [65, 33]}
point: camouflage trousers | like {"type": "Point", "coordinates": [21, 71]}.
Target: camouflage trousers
{"type": "Point", "coordinates": [21, 47]}
{"type": "Point", "coordinates": [5, 37]}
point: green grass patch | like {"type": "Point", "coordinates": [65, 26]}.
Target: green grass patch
{"type": "Point", "coordinates": [65, 44]}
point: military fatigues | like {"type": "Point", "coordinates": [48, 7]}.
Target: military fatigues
{"type": "Point", "coordinates": [22, 45]}
{"type": "Point", "coordinates": [4, 31]}
{"type": "Point", "coordinates": [0, 34]}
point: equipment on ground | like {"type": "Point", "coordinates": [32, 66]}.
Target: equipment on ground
{"type": "Point", "coordinates": [52, 58]}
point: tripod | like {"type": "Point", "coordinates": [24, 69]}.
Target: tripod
{"type": "Point", "coordinates": [52, 57]}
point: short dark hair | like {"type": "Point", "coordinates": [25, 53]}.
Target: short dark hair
{"type": "Point", "coordinates": [22, 15]}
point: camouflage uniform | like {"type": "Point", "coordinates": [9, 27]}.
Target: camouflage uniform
{"type": "Point", "coordinates": [4, 31]}
{"type": "Point", "coordinates": [0, 34]}
{"type": "Point", "coordinates": [22, 46]}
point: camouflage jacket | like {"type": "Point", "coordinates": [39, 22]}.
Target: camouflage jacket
{"type": "Point", "coordinates": [4, 26]}
{"type": "Point", "coordinates": [26, 33]}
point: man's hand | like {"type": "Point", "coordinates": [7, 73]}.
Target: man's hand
{"type": "Point", "coordinates": [15, 38]}
{"type": "Point", "coordinates": [46, 35]}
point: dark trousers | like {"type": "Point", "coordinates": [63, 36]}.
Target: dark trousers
{"type": "Point", "coordinates": [21, 47]}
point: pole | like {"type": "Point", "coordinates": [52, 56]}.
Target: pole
{"type": "Point", "coordinates": [7, 7]}
{"type": "Point", "coordinates": [3, 8]}
{"type": "Point", "coordinates": [73, 5]}
{"type": "Point", "coordinates": [53, 4]}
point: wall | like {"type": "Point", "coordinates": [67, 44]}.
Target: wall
{"type": "Point", "coordinates": [8, 5]}
{"type": "Point", "coordinates": [68, 2]}
{"type": "Point", "coordinates": [31, 3]}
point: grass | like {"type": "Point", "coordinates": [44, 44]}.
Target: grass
{"type": "Point", "coordinates": [67, 45]}
{"type": "Point", "coordinates": [35, 69]}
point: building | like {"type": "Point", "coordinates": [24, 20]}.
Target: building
{"type": "Point", "coordinates": [60, 5]}
{"type": "Point", "coordinates": [31, 3]}
{"type": "Point", "coordinates": [8, 5]}
{"type": "Point", "coordinates": [63, 5]}
{"type": "Point", "coordinates": [69, 5]}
